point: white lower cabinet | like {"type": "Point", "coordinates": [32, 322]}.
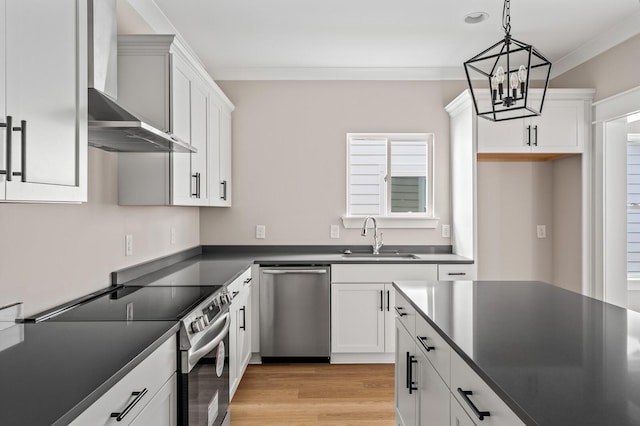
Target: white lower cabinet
{"type": "Point", "coordinates": [406, 395]}
{"type": "Point", "coordinates": [435, 386]}
{"type": "Point", "coordinates": [478, 397]}
{"type": "Point", "coordinates": [240, 329]}
{"type": "Point", "coordinates": [145, 396]}
{"type": "Point", "coordinates": [433, 394]}
{"type": "Point", "coordinates": [161, 410]}
{"type": "Point", "coordinates": [458, 416]}
{"type": "Point", "coordinates": [363, 309]}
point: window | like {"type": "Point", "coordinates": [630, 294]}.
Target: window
{"type": "Point", "coordinates": [390, 176]}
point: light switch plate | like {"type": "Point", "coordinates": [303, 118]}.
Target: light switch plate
{"type": "Point", "coordinates": [128, 245]}
{"type": "Point", "coordinates": [335, 231]}
{"type": "Point", "coordinates": [173, 236]}
{"type": "Point", "coordinates": [261, 232]}
{"type": "Point", "coordinates": [446, 231]}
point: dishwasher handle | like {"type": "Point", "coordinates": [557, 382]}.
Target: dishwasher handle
{"type": "Point", "coordinates": [294, 271]}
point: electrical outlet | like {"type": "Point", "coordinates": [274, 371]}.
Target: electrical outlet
{"type": "Point", "coordinates": [335, 231]}
{"type": "Point", "coordinates": [541, 230]}
{"type": "Point", "coordinates": [128, 245]}
{"type": "Point", "coordinates": [261, 232]}
{"type": "Point", "coordinates": [173, 236]}
{"type": "Point", "coordinates": [446, 231]}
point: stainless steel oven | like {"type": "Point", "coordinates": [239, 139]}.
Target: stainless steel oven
{"type": "Point", "coordinates": [203, 393]}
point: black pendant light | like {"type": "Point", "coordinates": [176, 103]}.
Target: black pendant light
{"type": "Point", "coordinates": [499, 77]}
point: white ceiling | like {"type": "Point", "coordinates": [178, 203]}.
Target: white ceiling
{"type": "Point", "coordinates": [244, 38]}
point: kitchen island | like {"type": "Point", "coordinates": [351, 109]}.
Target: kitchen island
{"type": "Point", "coordinates": [553, 356]}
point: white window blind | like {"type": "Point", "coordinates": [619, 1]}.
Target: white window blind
{"type": "Point", "coordinates": [633, 213]}
{"type": "Point", "coordinates": [368, 167]}
{"type": "Point", "coordinates": [408, 158]}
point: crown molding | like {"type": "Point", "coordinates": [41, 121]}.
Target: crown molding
{"type": "Point", "coordinates": [340, 73]}
{"type": "Point", "coordinates": [617, 34]}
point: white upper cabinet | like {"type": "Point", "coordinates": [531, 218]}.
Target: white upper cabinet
{"type": "Point", "coordinates": [43, 89]}
{"type": "Point", "coordinates": [161, 83]}
{"type": "Point", "coordinates": [562, 127]}
{"type": "Point", "coordinates": [220, 153]}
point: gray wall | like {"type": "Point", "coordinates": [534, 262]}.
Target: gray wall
{"type": "Point", "coordinates": [289, 156]}
{"type": "Point", "coordinates": [52, 253]}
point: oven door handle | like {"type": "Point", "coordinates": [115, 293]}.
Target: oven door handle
{"type": "Point", "coordinates": [195, 354]}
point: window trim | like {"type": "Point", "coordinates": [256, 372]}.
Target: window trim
{"type": "Point", "coordinates": [389, 219]}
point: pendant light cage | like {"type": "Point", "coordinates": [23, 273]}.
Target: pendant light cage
{"type": "Point", "coordinates": [500, 78]}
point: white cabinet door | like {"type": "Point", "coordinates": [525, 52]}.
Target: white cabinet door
{"type": "Point", "coordinates": [559, 128]}
{"type": "Point", "coordinates": [220, 153]}
{"type": "Point", "coordinates": [244, 349]}
{"type": "Point", "coordinates": [357, 318]}
{"type": "Point", "coordinates": [502, 136]}
{"type": "Point", "coordinates": [162, 409]}
{"type": "Point", "coordinates": [45, 94]}
{"type": "Point", "coordinates": [433, 395]}
{"type": "Point", "coordinates": [234, 379]}
{"type": "Point", "coordinates": [405, 377]}
{"type": "Point", "coordinates": [3, 104]}
{"type": "Point", "coordinates": [180, 105]}
{"type": "Point", "coordinates": [389, 318]}
{"type": "Point", "coordinates": [199, 139]}
{"type": "Point", "coordinates": [189, 171]}
{"type": "Point", "coordinates": [458, 416]}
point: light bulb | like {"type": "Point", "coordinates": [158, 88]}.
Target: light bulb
{"type": "Point", "coordinates": [513, 81]}
{"type": "Point", "coordinates": [494, 82]}
{"type": "Point", "coordinates": [522, 74]}
{"type": "Point", "coordinates": [500, 75]}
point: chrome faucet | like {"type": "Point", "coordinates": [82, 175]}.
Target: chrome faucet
{"type": "Point", "coordinates": [377, 242]}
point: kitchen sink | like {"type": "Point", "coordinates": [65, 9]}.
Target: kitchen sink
{"type": "Point", "coordinates": [381, 256]}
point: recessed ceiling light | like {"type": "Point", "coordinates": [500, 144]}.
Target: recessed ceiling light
{"type": "Point", "coordinates": [476, 17]}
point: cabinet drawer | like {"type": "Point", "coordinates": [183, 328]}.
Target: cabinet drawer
{"type": "Point", "coordinates": [386, 273]}
{"type": "Point", "coordinates": [454, 272]}
{"type": "Point", "coordinates": [240, 283]}
{"type": "Point", "coordinates": [151, 374]}
{"type": "Point", "coordinates": [434, 347]}
{"type": "Point", "coordinates": [405, 313]}
{"type": "Point", "coordinates": [463, 378]}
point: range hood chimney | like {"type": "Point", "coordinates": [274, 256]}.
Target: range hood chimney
{"type": "Point", "coordinates": [112, 127]}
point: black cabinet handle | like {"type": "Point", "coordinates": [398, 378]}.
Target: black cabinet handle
{"type": "Point", "coordinates": [247, 281]}
{"type": "Point", "coordinates": [8, 153]}
{"type": "Point", "coordinates": [407, 374]}
{"type": "Point", "coordinates": [224, 189]}
{"type": "Point", "coordinates": [423, 342]}
{"type": "Point", "coordinates": [456, 273]}
{"type": "Point", "coordinates": [465, 395]}
{"type": "Point", "coordinates": [400, 314]}
{"type": "Point", "coordinates": [412, 360]}
{"type": "Point", "coordinates": [234, 294]}
{"type": "Point", "coordinates": [388, 291]}
{"type": "Point", "coordinates": [23, 150]}
{"type": "Point", "coordinates": [128, 408]}
{"type": "Point", "coordinates": [381, 300]}
{"type": "Point", "coordinates": [244, 318]}
{"type": "Point", "coordinates": [535, 135]}
{"type": "Point", "coordinates": [529, 135]}
{"type": "Point", "coordinates": [196, 176]}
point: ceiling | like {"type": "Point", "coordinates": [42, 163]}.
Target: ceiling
{"type": "Point", "coordinates": [238, 39]}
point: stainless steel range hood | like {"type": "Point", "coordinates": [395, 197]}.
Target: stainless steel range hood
{"type": "Point", "coordinates": [112, 127]}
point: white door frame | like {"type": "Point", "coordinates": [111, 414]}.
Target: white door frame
{"type": "Point", "coordinates": [604, 249]}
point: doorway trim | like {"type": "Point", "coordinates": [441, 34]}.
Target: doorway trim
{"type": "Point", "coordinates": [606, 110]}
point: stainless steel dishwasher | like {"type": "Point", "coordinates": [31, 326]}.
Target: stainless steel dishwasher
{"type": "Point", "coordinates": [295, 313]}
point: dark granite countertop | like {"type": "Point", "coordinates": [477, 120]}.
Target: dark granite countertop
{"type": "Point", "coordinates": [51, 372]}
{"type": "Point", "coordinates": [554, 356]}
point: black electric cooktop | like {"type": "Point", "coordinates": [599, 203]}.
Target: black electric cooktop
{"type": "Point", "coordinates": [131, 303]}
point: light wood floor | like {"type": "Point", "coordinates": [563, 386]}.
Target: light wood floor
{"type": "Point", "coordinates": [315, 394]}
